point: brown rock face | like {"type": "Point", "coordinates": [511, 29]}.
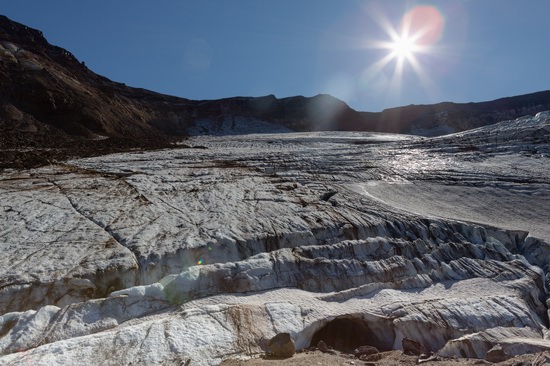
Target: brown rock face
{"type": "Point", "coordinates": [49, 100]}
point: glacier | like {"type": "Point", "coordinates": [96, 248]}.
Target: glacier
{"type": "Point", "coordinates": [199, 254]}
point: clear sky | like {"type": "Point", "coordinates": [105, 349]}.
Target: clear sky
{"type": "Point", "coordinates": [454, 50]}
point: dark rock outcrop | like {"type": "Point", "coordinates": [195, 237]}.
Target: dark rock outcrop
{"type": "Point", "coordinates": [324, 112]}
{"type": "Point", "coordinates": [51, 101]}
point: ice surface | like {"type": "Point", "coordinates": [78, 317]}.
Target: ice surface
{"type": "Point", "coordinates": [205, 253]}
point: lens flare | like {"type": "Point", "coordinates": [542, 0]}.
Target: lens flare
{"type": "Point", "coordinates": [424, 24]}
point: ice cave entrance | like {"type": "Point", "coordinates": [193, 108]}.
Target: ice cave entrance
{"type": "Point", "coordinates": [347, 334]}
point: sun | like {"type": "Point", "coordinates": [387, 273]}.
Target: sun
{"type": "Point", "coordinates": [410, 43]}
{"type": "Point", "coordinates": [403, 47]}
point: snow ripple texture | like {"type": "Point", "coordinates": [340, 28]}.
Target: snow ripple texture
{"type": "Point", "coordinates": [193, 256]}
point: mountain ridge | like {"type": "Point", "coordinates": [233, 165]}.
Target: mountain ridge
{"type": "Point", "coordinates": [50, 100]}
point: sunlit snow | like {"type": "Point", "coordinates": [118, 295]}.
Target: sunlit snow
{"type": "Point", "coordinates": [204, 253]}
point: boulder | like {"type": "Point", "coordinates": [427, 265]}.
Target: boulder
{"type": "Point", "coordinates": [365, 351]}
{"type": "Point", "coordinates": [322, 346]}
{"type": "Point", "coordinates": [282, 346]}
{"type": "Point", "coordinates": [496, 354]}
{"type": "Point", "coordinates": [412, 347]}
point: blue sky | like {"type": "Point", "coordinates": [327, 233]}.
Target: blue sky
{"type": "Point", "coordinates": [209, 49]}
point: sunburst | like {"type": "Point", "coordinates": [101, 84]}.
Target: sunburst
{"type": "Point", "coordinates": [403, 47]}
{"type": "Point", "coordinates": [419, 30]}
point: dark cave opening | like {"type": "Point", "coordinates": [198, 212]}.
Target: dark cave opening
{"type": "Point", "coordinates": [347, 334]}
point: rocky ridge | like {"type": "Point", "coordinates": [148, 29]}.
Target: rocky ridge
{"type": "Point", "coordinates": [53, 107]}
